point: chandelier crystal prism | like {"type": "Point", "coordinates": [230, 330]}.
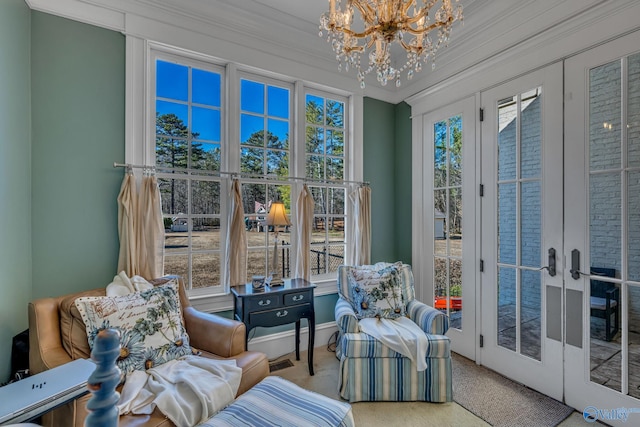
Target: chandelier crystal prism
{"type": "Point", "coordinates": [410, 23]}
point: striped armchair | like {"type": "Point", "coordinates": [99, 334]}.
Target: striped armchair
{"type": "Point", "coordinates": [371, 371]}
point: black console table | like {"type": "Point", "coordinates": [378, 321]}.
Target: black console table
{"type": "Point", "coordinates": [277, 305]}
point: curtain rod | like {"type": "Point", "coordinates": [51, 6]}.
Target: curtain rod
{"type": "Point", "coordinates": [241, 175]}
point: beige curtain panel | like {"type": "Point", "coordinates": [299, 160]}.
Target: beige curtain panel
{"type": "Point", "coordinates": [363, 225]}
{"type": "Point", "coordinates": [127, 218]}
{"type": "Point", "coordinates": [236, 239]}
{"type": "Point", "coordinates": [304, 220]}
{"type": "Point", "coordinates": [150, 230]}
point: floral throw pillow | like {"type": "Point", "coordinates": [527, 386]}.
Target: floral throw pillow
{"type": "Point", "coordinates": [149, 322]}
{"type": "Point", "coordinates": [377, 292]}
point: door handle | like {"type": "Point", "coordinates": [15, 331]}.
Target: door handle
{"type": "Point", "coordinates": [551, 267]}
{"type": "Point", "coordinates": [575, 264]}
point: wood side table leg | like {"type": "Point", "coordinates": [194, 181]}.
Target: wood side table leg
{"type": "Point", "coordinates": [298, 339]}
{"type": "Point", "coordinates": [312, 336]}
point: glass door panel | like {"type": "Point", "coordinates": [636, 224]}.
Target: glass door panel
{"type": "Point", "coordinates": [519, 223]}
{"type": "Point", "coordinates": [447, 226]}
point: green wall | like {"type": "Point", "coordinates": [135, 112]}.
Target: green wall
{"type": "Point", "coordinates": [15, 175]}
{"type": "Point", "coordinates": [387, 166]}
{"type": "Point", "coordinates": [78, 98]}
{"type": "Point", "coordinates": [402, 188]}
{"type": "Point", "coordinates": [57, 146]}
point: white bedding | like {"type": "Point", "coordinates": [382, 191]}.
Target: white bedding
{"type": "Point", "coordinates": [401, 335]}
{"type": "Point", "coordinates": [188, 390]}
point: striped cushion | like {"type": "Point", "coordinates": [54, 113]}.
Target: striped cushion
{"type": "Point", "coordinates": [395, 379]}
{"type": "Point", "coordinates": [363, 345]}
{"type": "Point", "coordinates": [278, 402]}
{"type": "Point", "coordinates": [429, 319]}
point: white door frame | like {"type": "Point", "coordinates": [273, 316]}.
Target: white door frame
{"type": "Point", "coordinates": [544, 375]}
{"type": "Point", "coordinates": [581, 392]}
{"type": "Point", "coordinates": [463, 341]}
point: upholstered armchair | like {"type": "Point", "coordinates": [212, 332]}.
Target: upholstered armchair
{"type": "Point", "coordinates": [371, 371]}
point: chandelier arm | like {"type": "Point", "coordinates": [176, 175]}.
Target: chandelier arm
{"type": "Point", "coordinates": [429, 28]}
{"type": "Point", "coordinates": [366, 12]}
{"type": "Point", "coordinates": [362, 35]}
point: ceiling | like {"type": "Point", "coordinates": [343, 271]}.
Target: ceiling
{"type": "Point", "coordinates": [489, 28]}
{"type": "Point", "coordinates": [281, 36]}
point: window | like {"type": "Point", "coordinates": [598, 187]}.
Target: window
{"type": "Point", "coordinates": [188, 147]}
{"type": "Point", "coordinates": [265, 126]}
{"type": "Point", "coordinates": [195, 159]}
{"type": "Point", "coordinates": [325, 162]}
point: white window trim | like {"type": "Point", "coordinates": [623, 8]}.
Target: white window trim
{"type": "Point", "coordinates": [139, 126]}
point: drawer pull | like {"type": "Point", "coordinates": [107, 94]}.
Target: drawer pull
{"type": "Point", "coordinates": [264, 302]}
{"type": "Point", "coordinates": [297, 298]}
{"type": "Point", "coordinates": [282, 313]}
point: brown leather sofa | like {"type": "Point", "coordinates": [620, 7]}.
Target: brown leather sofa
{"type": "Point", "coordinates": [57, 335]}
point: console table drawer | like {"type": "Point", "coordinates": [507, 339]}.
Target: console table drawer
{"type": "Point", "coordinates": [279, 316]}
{"type": "Point", "coordinates": [264, 302]}
{"type": "Point", "coordinates": [298, 298]}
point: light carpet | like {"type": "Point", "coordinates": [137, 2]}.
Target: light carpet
{"type": "Point", "coordinates": [478, 385]}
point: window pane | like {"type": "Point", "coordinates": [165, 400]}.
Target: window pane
{"type": "Point", "coordinates": [206, 87]}
{"type": "Point", "coordinates": [278, 102]}
{"type": "Point", "coordinates": [605, 220]}
{"type": "Point", "coordinates": [315, 167]}
{"type": "Point", "coordinates": [633, 253]}
{"type": "Point", "coordinates": [205, 270]}
{"type": "Point", "coordinates": [206, 233]}
{"type": "Point", "coordinates": [177, 265]}
{"type": "Point", "coordinates": [315, 140]}
{"type": "Point", "coordinates": [172, 80]}
{"type": "Point", "coordinates": [531, 134]}
{"type": "Point", "coordinates": [530, 308]}
{"type": "Point", "coordinates": [507, 308]}
{"type": "Point", "coordinates": [507, 223]}
{"type": "Point", "coordinates": [205, 197]}
{"type": "Point", "coordinates": [278, 162]}
{"type": "Point", "coordinates": [171, 152]}
{"type": "Point", "coordinates": [278, 136]}
{"type": "Point", "coordinates": [206, 124]}
{"type": "Point", "coordinates": [440, 154]}
{"type": "Point", "coordinates": [252, 96]}
{"type": "Point", "coordinates": [335, 113]}
{"type": "Point", "coordinates": [176, 239]}
{"type": "Point", "coordinates": [172, 118]}
{"type": "Point", "coordinates": [604, 116]}
{"type": "Point", "coordinates": [335, 142]}
{"type": "Point", "coordinates": [315, 110]}
{"type": "Point", "coordinates": [507, 132]}
{"type": "Point", "coordinates": [530, 223]}
{"type": "Point", "coordinates": [633, 119]}
{"type": "Point", "coordinates": [335, 168]}
{"type": "Point", "coordinates": [336, 200]}
{"type": "Point", "coordinates": [455, 150]}
{"type": "Point", "coordinates": [173, 193]}
{"type": "Point", "coordinates": [205, 156]}
{"type": "Point", "coordinates": [252, 160]}
{"type": "Point", "coordinates": [252, 130]}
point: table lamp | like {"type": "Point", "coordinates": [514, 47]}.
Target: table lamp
{"type": "Point", "coordinates": [276, 217]}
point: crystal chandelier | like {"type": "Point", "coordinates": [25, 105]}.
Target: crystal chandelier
{"type": "Point", "coordinates": [407, 22]}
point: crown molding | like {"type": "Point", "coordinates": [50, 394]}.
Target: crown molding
{"type": "Point", "coordinates": [586, 27]}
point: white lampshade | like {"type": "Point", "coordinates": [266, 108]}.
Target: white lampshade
{"type": "Point", "coordinates": [277, 215]}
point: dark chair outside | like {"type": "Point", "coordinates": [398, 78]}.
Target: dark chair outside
{"type": "Point", "coordinates": [605, 300]}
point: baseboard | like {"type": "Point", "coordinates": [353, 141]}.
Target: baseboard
{"type": "Point", "coordinates": [281, 343]}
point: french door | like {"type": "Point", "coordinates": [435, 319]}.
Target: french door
{"type": "Point", "coordinates": [602, 231]}
{"type": "Point", "coordinates": [521, 232]}
{"type": "Point", "coordinates": [449, 218]}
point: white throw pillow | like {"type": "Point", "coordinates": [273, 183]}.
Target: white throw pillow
{"type": "Point", "coordinates": [149, 322]}
{"type": "Point", "coordinates": [377, 292]}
